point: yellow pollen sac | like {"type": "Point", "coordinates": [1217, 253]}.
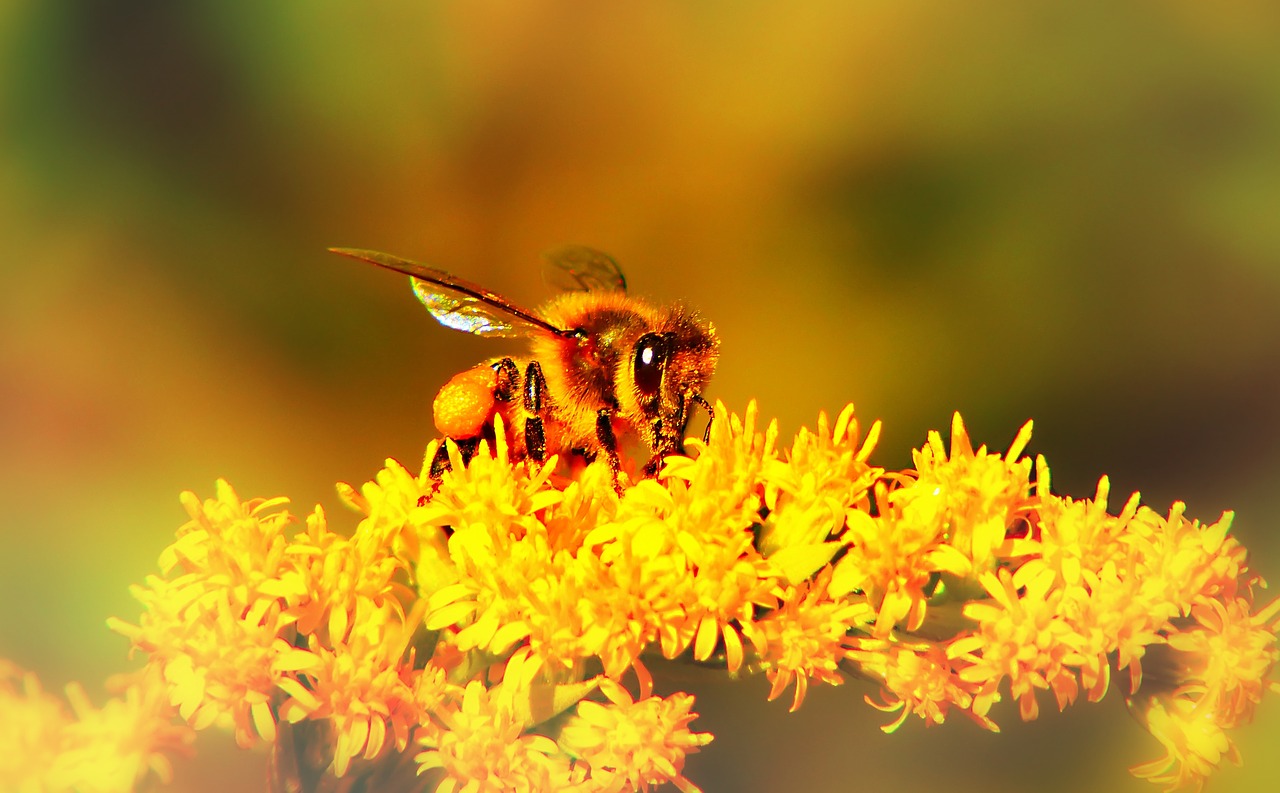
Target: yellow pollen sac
{"type": "Point", "coordinates": [465, 403]}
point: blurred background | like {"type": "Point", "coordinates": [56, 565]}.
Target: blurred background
{"type": "Point", "coordinates": [1066, 211]}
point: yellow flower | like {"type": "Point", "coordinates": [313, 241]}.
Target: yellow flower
{"type": "Point", "coordinates": [1022, 636]}
{"type": "Point", "coordinates": [578, 574]}
{"type": "Point", "coordinates": [1194, 740]}
{"type": "Point", "coordinates": [628, 744]}
{"type": "Point", "coordinates": [805, 638]}
{"type": "Point", "coordinates": [481, 744]}
{"type": "Point", "coordinates": [119, 745]}
{"type": "Point", "coordinates": [1226, 656]}
{"type": "Point", "coordinates": [484, 748]}
{"type": "Point", "coordinates": [500, 551]}
{"type": "Point", "coordinates": [221, 661]}
{"type": "Point", "coordinates": [696, 528]}
{"type": "Point", "coordinates": [30, 731]}
{"type": "Point", "coordinates": [1208, 678]}
{"type": "Point", "coordinates": [362, 689]}
{"type": "Point", "coordinates": [917, 679]}
{"type": "Point", "coordinates": [1074, 538]}
{"type": "Point", "coordinates": [973, 497]}
{"type": "Point", "coordinates": [238, 543]}
{"type": "Point", "coordinates": [215, 629]}
{"type": "Point", "coordinates": [894, 564]}
{"type": "Point", "coordinates": [487, 617]}
{"type": "Point", "coordinates": [807, 495]}
{"type": "Point", "coordinates": [112, 749]}
{"type": "Point", "coordinates": [1076, 546]}
{"type": "Point", "coordinates": [334, 582]}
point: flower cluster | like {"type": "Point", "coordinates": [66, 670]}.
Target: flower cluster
{"type": "Point", "coordinates": [47, 746]}
{"type": "Point", "coordinates": [475, 633]}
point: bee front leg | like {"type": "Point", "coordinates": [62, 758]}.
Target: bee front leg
{"type": "Point", "coordinates": [655, 459]}
{"type": "Point", "coordinates": [609, 443]}
{"type": "Point", "coordinates": [664, 447]}
{"type": "Point", "coordinates": [711, 416]}
{"type": "Point", "coordinates": [667, 437]}
{"type": "Point", "coordinates": [535, 392]}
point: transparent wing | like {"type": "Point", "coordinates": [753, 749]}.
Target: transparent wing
{"type": "Point", "coordinates": [460, 304]}
{"type": "Point", "coordinates": [577, 268]}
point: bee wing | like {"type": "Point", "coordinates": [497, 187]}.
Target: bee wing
{"type": "Point", "coordinates": [577, 268]}
{"type": "Point", "coordinates": [460, 304]}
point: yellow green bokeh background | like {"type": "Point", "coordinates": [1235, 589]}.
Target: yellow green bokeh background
{"type": "Point", "coordinates": [1052, 210]}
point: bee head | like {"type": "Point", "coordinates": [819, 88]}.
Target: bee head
{"type": "Point", "coordinates": [670, 365]}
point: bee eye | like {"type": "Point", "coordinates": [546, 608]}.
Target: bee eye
{"type": "Point", "coordinates": [649, 361]}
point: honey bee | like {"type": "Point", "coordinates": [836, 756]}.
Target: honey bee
{"type": "Point", "coordinates": [602, 366]}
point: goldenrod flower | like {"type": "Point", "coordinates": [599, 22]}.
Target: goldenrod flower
{"type": "Point", "coordinates": [30, 731]}
{"type": "Point", "coordinates": [918, 679]}
{"type": "Point", "coordinates": [362, 688]}
{"type": "Point", "coordinates": [489, 617]}
{"type": "Point", "coordinates": [482, 743]}
{"type": "Point", "coordinates": [46, 747]}
{"type": "Point", "coordinates": [630, 744]}
{"type": "Point", "coordinates": [973, 496]}
{"type": "Point", "coordinates": [1022, 637]}
{"type": "Point", "coordinates": [1194, 740]}
{"type": "Point", "coordinates": [805, 637]}
{"type": "Point", "coordinates": [333, 582]}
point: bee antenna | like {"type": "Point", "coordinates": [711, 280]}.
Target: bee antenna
{"type": "Point", "coordinates": [711, 415]}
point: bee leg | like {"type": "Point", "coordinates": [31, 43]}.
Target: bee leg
{"type": "Point", "coordinates": [660, 454]}
{"type": "Point", "coordinates": [609, 443]}
{"type": "Point", "coordinates": [661, 449]}
{"type": "Point", "coordinates": [535, 390]}
{"type": "Point", "coordinates": [440, 461]}
{"type": "Point", "coordinates": [508, 377]}
{"type": "Point", "coordinates": [667, 437]}
{"type": "Point", "coordinates": [711, 416]}
{"type": "Point", "coordinates": [467, 447]}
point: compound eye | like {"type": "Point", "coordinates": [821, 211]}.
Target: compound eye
{"type": "Point", "coordinates": [649, 361]}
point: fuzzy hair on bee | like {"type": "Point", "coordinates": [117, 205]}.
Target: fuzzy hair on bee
{"type": "Point", "coordinates": [603, 366]}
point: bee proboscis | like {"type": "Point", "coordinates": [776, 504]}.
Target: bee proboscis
{"type": "Point", "coordinates": [602, 364]}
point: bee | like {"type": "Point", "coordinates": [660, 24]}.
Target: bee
{"type": "Point", "coordinates": [602, 365]}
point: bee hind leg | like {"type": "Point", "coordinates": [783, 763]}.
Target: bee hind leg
{"type": "Point", "coordinates": [441, 462]}
{"type": "Point", "coordinates": [504, 390]}
{"type": "Point", "coordinates": [535, 392]}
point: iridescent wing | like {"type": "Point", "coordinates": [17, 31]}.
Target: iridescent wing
{"type": "Point", "coordinates": [577, 268]}
{"type": "Point", "coordinates": [460, 304]}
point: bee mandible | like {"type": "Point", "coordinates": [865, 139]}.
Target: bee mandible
{"type": "Point", "coordinates": [602, 365]}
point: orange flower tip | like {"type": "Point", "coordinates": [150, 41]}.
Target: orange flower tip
{"type": "Point", "coordinates": [190, 502]}
{"type": "Point", "coordinates": [1020, 441]}
{"type": "Point", "coordinates": [126, 629]}
{"type": "Point", "coordinates": [872, 441]}
{"type": "Point", "coordinates": [1103, 491]}
{"type": "Point", "coordinates": [264, 721]}
{"type": "Point", "coordinates": [428, 761]}
{"type": "Point", "coordinates": [352, 497]}
{"type": "Point", "coordinates": [843, 421]}
{"type": "Point", "coordinates": [1267, 614]}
